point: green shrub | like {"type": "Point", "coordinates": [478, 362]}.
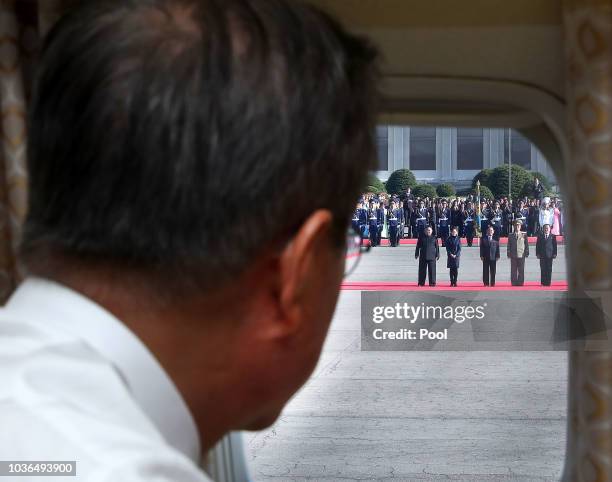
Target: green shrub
{"type": "Point", "coordinates": [485, 193]}
{"type": "Point", "coordinates": [498, 180]}
{"type": "Point", "coordinates": [424, 190]}
{"type": "Point", "coordinates": [374, 185]}
{"type": "Point", "coordinates": [483, 176]}
{"type": "Point", "coordinates": [446, 190]}
{"type": "Point", "coordinates": [401, 180]}
{"type": "Point", "coordinates": [527, 190]}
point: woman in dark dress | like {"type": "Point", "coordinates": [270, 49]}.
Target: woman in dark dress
{"type": "Point", "coordinates": [453, 251]}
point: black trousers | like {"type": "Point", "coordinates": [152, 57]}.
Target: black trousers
{"type": "Point", "coordinates": [546, 270]}
{"type": "Point", "coordinates": [374, 235]}
{"type": "Point", "coordinates": [427, 268]}
{"type": "Point", "coordinates": [531, 228]}
{"type": "Point", "coordinates": [444, 230]}
{"type": "Point", "coordinates": [469, 234]}
{"type": "Point", "coordinates": [454, 272]}
{"type": "Point", "coordinates": [489, 267]}
{"type": "Point", "coordinates": [517, 271]}
{"type": "Point", "coordinates": [393, 235]}
{"type": "Point", "coordinates": [420, 229]}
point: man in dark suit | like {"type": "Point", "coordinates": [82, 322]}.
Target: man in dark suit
{"type": "Point", "coordinates": [407, 196]}
{"type": "Point", "coordinates": [489, 254]}
{"type": "Point", "coordinates": [427, 252]}
{"type": "Point", "coordinates": [409, 218]}
{"type": "Point", "coordinates": [538, 189]}
{"type": "Point", "coordinates": [546, 251]}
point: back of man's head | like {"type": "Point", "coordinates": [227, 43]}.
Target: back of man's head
{"type": "Point", "coordinates": [148, 113]}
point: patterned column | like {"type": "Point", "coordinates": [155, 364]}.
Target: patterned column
{"type": "Point", "coordinates": [588, 38]}
{"type": "Point", "coordinates": [16, 40]}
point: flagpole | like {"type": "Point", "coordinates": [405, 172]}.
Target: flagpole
{"type": "Point", "coordinates": [477, 227]}
{"type": "Point", "coordinates": [509, 163]}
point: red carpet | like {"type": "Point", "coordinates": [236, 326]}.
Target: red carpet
{"type": "Point", "coordinates": [445, 286]}
{"type": "Point", "coordinates": [412, 242]}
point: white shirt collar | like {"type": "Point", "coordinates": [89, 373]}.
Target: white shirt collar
{"type": "Point", "coordinates": [44, 301]}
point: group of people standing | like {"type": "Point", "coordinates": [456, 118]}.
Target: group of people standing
{"type": "Point", "coordinates": [428, 253]}
{"type": "Point", "coordinates": [405, 216]}
{"type": "Point", "coordinates": [428, 220]}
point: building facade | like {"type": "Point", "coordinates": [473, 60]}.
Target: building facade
{"type": "Point", "coordinates": [454, 155]}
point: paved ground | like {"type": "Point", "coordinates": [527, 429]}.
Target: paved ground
{"type": "Point", "coordinates": [463, 416]}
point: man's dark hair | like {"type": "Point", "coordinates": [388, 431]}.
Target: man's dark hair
{"type": "Point", "coordinates": [185, 135]}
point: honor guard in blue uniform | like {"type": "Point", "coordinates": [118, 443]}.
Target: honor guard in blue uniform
{"type": "Point", "coordinates": [433, 218]}
{"type": "Point", "coordinates": [360, 219]}
{"type": "Point", "coordinates": [453, 251]}
{"type": "Point", "coordinates": [381, 211]}
{"type": "Point", "coordinates": [444, 222]}
{"type": "Point", "coordinates": [394, 220]}
{"type": "Point", "coordinates": [421, 219]}
{"type": "Point", "coordinates": [485, 212]}
{"type": "Point", "coordinates": [402, 221]}
{"type": "Point", "coordinates": [469, 222]}
{"type": "Point", "coordinates": [375, 221]}
{"type": "Point", "coordinates": [495, 218]}
{"type": "Point", "coordinates": [355, 221]}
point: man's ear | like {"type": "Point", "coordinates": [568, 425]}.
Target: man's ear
{"type": "Point", "coordinates": [301, 264]}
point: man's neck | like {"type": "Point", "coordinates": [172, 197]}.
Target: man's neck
{"type": "Point", "coordinates": [172, 332]}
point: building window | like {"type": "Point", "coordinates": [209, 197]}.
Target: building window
{"type": "Point", "coordinates": [423, 148]}
{"type": "Point", "coordinates": [517, 149]}
{"type": "Point", "coordinates": [469, 149]}
{"type": "Point", "coordinates": [382, 142]}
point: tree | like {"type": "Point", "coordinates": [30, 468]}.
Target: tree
{"type": "Point", "coordinates": [401, 180]}
{"type": "Point", "coordinates": [374, 185]}
{"type": "Point", "coordinates": [424, 190]}
{"type": "Point", "coordinates": [498, 181]}
{"type": "Point", "coordinates": [465, 191]}
{"type": "Point", "coordinates": [446, 190]}
{"type": "Point", "coordinates": [483, 176]}
{"type": "Point", "coordinates": [485, 193]}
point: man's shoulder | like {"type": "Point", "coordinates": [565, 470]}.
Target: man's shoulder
{"type": "Point", "coordinates": [61, 400]}
{"type": "Point", "coordinates": [100, 452]}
